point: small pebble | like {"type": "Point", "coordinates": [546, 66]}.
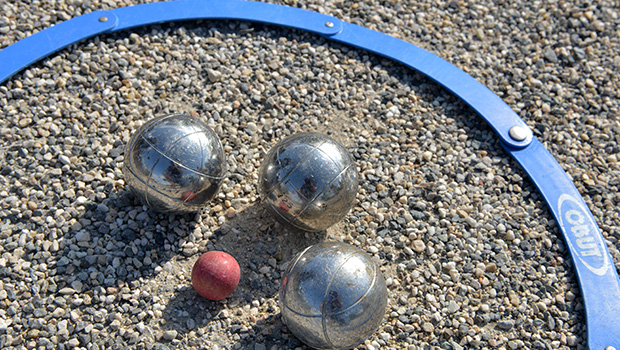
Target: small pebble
{"type": "Point", "coordinates": [428, 327]}
{"type": "Point", "coordinates": [170, 334]}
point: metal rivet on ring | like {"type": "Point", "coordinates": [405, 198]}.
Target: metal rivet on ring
{"type": "Point", "coordinates": [329, 24]}
{"type": "Point", "coordinates": [609, 347]}
{"type": "Point", "coordinates": [103, 19]}
{"type": "Point", "coordinates": [519, 133]}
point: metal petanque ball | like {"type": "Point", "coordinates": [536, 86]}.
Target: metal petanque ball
{"type": "Point", "coordinates": [174, 163]}
{"type": "Point", "coordinates": [333, 296]}
{"type": "Point", "coordinates": [309, 181]}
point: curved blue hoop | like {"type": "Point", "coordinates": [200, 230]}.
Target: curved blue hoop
{"type": "Point", "coordinates": [598, 278]}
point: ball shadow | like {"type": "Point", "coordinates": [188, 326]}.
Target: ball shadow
{"type": "Point", "coordinates": [116, 252]}
{"type": "Point", "coordinates": [263, 249]}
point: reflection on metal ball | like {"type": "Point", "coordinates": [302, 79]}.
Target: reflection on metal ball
{"type": "Point", "coordinates": [309, 181]}
{"type": "Point", "coordinates": [333, 296]}
{"type": "Point", "coordinates": [174, 163]}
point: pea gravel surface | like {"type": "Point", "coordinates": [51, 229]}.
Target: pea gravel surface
{"type": "Point", "coordinates": [471, 255]}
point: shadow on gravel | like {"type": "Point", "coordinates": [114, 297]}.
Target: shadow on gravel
{"type": "Point", "coordinates": [250, 315]}
{"type": "Point", "coordinates": [118, 241]}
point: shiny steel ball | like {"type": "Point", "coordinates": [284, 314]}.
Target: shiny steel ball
{"type": "Point", "coordinates": [309, 181]}
{"type": "Point", "coordinates": [174, 163]}
{"type": "Point", "coordinates": [333, 296]}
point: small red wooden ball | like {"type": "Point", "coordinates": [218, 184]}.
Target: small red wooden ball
{"type": "Point", "coordinates": [215, 275]}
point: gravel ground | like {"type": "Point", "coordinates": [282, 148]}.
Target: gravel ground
{"type": "Point", "coordinates": [471, 255]}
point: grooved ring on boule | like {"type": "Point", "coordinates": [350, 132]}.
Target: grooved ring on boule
{"type": "Point", "coordinates": [333, 296]}
{"type": "Point", "coordinates": [308, 181]}
{"type": "Point", "coordinates": [174, 163]}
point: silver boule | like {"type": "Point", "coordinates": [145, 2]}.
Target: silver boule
{"type": "Point", "coordinates": [333, 296]}
{"type": "Point", "coordinates": [309, 181]}
{"type": "Point", "coordinates": [174, 163]}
